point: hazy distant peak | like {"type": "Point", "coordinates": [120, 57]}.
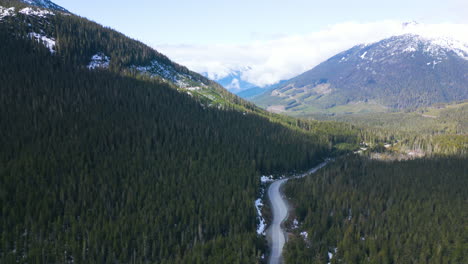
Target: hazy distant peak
{"type": "Point", "coordinates": [409, 23]}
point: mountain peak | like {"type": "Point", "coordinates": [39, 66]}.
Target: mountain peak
{"type": "Point", "coordinates": [45, 4]}
{"type": "Point", "coordinates": [409, 23]}
{"type": "Point", "coordinates": [399, 72]}
{"type": "Point", "coordinates": [435, 47]}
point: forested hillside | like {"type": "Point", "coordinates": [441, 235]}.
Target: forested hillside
{"type": "Point", "coordinates": [437, 119]}
{"type": "Point", "coordinates": [86, 44]}
{"type": "Point", "coordinates": [358, 210]}
{"type": "Point", "coordinates": [100, 166]}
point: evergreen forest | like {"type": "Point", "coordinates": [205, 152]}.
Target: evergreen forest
{"type": "Point", "coordinates": [122, 165]}
{"type": "Point", "coordinates": [104, 167]}
{"type": "Point", "coordinates": [370, 211]}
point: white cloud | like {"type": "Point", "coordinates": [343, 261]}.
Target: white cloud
{"type": "Point", "coordinates": [273, 60]}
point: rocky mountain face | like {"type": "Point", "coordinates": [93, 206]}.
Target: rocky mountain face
{"type": "Point", "coordinates": [399, 72]}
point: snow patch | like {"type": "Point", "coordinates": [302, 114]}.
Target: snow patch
{"type": "Point", "coordinates": [259, 204]}
{"type": "Point", "coordinates": [434, 63]}
{"type": "Point", "coordinates": [166, 72]}
{"type": "Point", "coordinates": [45, 4]}
{"type": "Point", "coordinates": [409, 49]}
{"type": "Point", "coordinates": [262, 224]}
{"type": "Point", "coordinates": [36, 12]}
{"type": "Point", "coordinates": [48, 42]}
{"type": "Point", "coordinates": [330, 256]}
{"type": "Point", "coordinates": [304, 235]}
{"type": "Point", "coordinates": [295, 224]}
{"type": "Point", "coordinates": [100, 60]}
{"type": "Point", "coordinates": [157, 68]}
{"type": "Point", "coordinates": [265, 179]}
{"type": "Point", "coordinates": [363, 56]}
{"type": "Point", "coordinates": [5, 12]}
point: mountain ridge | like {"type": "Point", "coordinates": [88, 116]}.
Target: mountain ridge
{"type": "Point", "coordinates": [405, 71]}
{"type": "Point", "coordinates": [129, 57]}
{"type": "Point", "coordinates": [45, 4]}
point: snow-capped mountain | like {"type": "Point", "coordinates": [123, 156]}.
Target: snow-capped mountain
{"type": "Point", "coordinates": [45, 4]}
{"type": "Point", "coordinates": [232, 80]}
{"type": "Point", "coordinates": [404, 71]}
{"type": "Point", "coordinates": [409, 44]}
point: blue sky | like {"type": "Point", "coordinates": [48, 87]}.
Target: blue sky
{"type": "Point", "coordinates": [268, 40]}
{"type": "Point", "coordinates": [214, 21]}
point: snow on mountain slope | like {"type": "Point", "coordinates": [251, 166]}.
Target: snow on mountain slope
{"type": "Point", "coordinates": [36, 12]}
{"type": "Point", "coordinates": [47, 41]}
{"type": "Point", "coordinates": [165, 71]}
{"type": "Point", "coordinates": [100, 60]}
{"type": "Point", "coordinates": [399, 72]}
{"type": "Point", "coordinates": [45, 4]}
{"type": "Point", "coordinates": [437, 48]}
{"type": "Point", "coordinates": [10, 12]}
{"type": "Point", "coordinates": [6, 12]}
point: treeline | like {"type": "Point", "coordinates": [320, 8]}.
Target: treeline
{"type": "Point", "coordinates": [431, 121]}
{"type": "Point", "coordinates": [368, 211]}
{"type": "Point", "coordinates": [430, 145]}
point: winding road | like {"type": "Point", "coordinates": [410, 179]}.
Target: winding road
{"type": "Point", "coordinates": [276, 234]}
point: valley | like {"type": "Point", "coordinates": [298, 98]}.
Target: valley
{"type": "Point", "coordinates": [113, 152]}
{"type": "Point", "coordinates": [276, 234]}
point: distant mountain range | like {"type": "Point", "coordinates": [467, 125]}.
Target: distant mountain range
{"type": "Point", "coordinates": [233, 81]}
{"type": "Point", "coordinates": [400, 72]}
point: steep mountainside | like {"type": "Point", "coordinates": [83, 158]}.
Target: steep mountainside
{"type": "Point", "coordinates": [108, 156]}
{"type": "Point", "coordinates": [400, 72]}
{"type": "Point", "coordinates": [89, 45]}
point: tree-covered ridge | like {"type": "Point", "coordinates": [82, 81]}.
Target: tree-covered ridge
{"type": "Point", "coordinates": [382, 212]}
{"type": "Point", "coordinates": [77, 40]}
